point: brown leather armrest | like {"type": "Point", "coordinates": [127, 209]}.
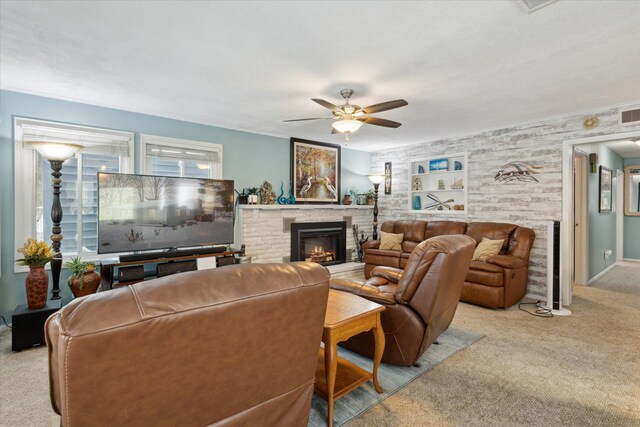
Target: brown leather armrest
{"type": "Point", "coordinates": [392, 274]}
{"type": "Point", "coordinates": [364, 290]}
{"type": "Point", "coordinates": [506, 261]}
{"type": "Point", "coordinates": [372, 244]}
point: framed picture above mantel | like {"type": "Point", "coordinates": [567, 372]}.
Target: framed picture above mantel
{"type": "Point", "coordinates": [315, 171]}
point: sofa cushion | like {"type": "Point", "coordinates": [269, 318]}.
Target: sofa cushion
{"type": "Point", "coordinates": [487, 248]}
{"type": "Point", "coordinates": [438, 228]}
{"type": "Point", "coordinates": [391, 241]}
{"type": "Point", "coordinates": [492, 231]}
{"type": "Point", "coordinates": [485, 274]}
{"type": "Point", "coordinates": [380, 257]}
{"type": "Point", "coordinates": [408, 246]}
{"type": "Point", "coordinates": [413, 230]}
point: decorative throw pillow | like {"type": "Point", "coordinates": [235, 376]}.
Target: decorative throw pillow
{"type": "Point", "coordinates": [391, 241]}
{"type": "Point", "coordinates": [487, 248]}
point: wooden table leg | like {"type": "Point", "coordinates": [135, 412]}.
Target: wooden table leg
{"type": "Point", "coordinates": [330, 367]}
{"type": "Point", "coordinates": [378, 335]}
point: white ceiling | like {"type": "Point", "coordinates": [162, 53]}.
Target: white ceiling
{"type": "Point", "coordinates": [625, 149]}
{"type": "Point", "coordinates": [464, 67]}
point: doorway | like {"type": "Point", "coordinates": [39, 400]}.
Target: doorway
{"type": "Point", "coordinates": [580, 218]}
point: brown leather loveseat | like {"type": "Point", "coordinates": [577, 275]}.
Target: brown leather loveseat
{"type": "Point", "coordinates": [499, 282]}
{"type": "Point", "coordinates": [231, 346]}
{"type": "Point", "coordinates": [420, 301]}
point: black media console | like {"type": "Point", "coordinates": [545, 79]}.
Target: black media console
{"type": "Point", "coordinates": [172, 253]}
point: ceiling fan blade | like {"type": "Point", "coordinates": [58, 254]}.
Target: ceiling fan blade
{"type": "Point", "coordinates": [381, 122]}
{"type": "Point", "coordinates": [315, 118]}
{"type": "Point", "coordinates": [384, 106]}
{"type": "Point", "coordinates": [326, 104]}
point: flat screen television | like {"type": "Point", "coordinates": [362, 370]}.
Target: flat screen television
{"type": "Point", "coordinates": [144, 213]}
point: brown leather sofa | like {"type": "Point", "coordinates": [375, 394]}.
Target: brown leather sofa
{"type": "Point", "coordinates": [420, 301]}
{"type": "Point", "coordinates": [500, 282]}
{"type": "Point", "coordinates": [231, 346]}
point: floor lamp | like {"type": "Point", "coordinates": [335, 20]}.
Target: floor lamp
{"type": "Point", "coordinates": [56, 153]}
{"type": "Point", "coordinates": [376, 180]}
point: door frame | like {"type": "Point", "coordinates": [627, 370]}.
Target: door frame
{"type": "Point", "coordinates": [619, 215]}
{"type": "Point", "coordinates": [566, 227]}
{"type": "Point", "coordinates": [581, 218]}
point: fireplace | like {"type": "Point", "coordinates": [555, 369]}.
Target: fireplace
{"type": "Point", "coordinates": [321, 242]}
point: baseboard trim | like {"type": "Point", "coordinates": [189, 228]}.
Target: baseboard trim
{"type": "Point", "coordinates": [630, 260]}
{"type": "Point", "coordinates": [602, 273]}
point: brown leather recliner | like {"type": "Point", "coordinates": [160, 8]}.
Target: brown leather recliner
{"type": "Point", "coordinates": [230, 346]}
{"type": "Point", "coordinates": [420, 301]}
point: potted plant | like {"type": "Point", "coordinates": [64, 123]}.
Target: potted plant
{"type": "Point", "coordinates": [369, 196]}
{"type": "Point", "coordinates": [83, 280]}
{"type": "Point", "coordinates": [253, 195]}
{"type": "Point", "coordinates": [36, 255]}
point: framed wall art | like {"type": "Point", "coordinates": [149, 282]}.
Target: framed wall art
{"type": "Point", "coordinates": [387, 178]}
{"type": "Point", "coordinates": [315, 171]}
{"type": "Point", "coordinates": [604, 194]}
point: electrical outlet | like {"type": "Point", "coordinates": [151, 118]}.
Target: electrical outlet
{"type": "Point", "coordinates": [607, 253]}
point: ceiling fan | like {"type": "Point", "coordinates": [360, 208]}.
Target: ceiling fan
{"type": "Point", "coordinates": [349, 118]}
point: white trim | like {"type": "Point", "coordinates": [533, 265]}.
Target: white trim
{"type": "Point", "coordinates": [602, 273]}
{"type": "Point", "coordinates": [181, 143]}
{"type": "Point", "coordinates": [25, 170]}
{"type": "Point", "coordinates": [566, 232]}
{"type": "Point", "coordinates": [619, 215]}
{"type": "Point", "coordinates": [630, 260]}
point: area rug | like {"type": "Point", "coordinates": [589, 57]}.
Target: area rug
{"type": "Point", "coordinates": [391, 378]}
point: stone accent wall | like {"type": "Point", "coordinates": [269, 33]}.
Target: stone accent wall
{"type": "Point", "coordinates": [262, 227]}
{"type": "Point", "coordinates": [530, 204]}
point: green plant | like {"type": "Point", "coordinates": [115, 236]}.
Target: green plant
{"type": "Point", "coordinates": [369, 194]}
{"type": "Point", "coordinates": [78, 268]}
{"type": "Point", "coordinates": [253, 190]}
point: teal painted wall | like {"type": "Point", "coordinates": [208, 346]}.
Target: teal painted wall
{"type": "Point", "coordinates": [632, 227]}
{"type": "Point", "coordinates": [602, 226]}
{"type": "Point", "coordinates": [249, 159]}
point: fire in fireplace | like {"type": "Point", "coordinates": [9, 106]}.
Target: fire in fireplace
{"type": "Point", "coordinates": [321, 242]}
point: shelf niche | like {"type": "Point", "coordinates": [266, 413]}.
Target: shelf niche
{"type": "Point", "coordinates": [426, 192]}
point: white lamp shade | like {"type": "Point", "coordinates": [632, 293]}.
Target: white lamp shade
{"type": "Point", "coordinates": [376, 179]}
{"type": "Point", "coordinates": [55, 150]}
{"type": "Point", "coordinates": [347, 126]}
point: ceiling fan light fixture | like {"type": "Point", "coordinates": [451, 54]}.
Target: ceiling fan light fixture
{"type": "Point", "coordinates": [347, 126]}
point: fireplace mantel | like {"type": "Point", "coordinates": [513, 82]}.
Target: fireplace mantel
{"type": "Point", "coordinates": [264, 231]}
{"type": "Point", "coordinates": [294, 207]}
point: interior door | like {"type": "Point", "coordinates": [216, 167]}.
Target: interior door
{"type": "Point", "coordinates": [580, 234]}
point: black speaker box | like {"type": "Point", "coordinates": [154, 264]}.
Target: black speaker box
{"type": "Point", "coordinates": [221, 261]}
{"type": "Point", "coordinates": [128, 274]}
{"type": "Point", "coordinates": [168, 268]}
{"type": "Point", "coordinates": [28, 325]}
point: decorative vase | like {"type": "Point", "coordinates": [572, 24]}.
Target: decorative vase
{"type": "Point", "coordinates": [417, 204]}
{"type": "Point", "coordinates": [37, 286]}
{"type": "Point", "coordinates": [346, 200]}
{"type": "Point", "coordinates": [90, 283]}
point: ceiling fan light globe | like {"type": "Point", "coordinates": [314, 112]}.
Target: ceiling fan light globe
{"type": "Point", "coordinates": [346, 126]}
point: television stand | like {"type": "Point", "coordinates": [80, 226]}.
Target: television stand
{"type": "Point", "coordinates": [109, 266]}
{"type": "Point", "coordinates": [171, 253]}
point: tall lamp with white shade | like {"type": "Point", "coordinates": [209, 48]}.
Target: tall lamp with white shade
{"type": "Point", "coordinates": [376, 180]}
{"type": "Point", "coordinates": [56, 153]}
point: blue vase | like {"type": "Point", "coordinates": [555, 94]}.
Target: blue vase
{"type": "Point", "coordinates": [281, 199]}
{"type": "Point", "coordinates": [417, 204]}
{"type": "Point", "coordinates": [291, 200]}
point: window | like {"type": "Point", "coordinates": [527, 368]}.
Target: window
{"type": "Point", "coordinates": [180, 158]}
{"type": "Point", "coordinates": [104, 151]}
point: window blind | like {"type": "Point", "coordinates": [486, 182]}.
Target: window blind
{"type": "Point", "coordinates": [171, 152]}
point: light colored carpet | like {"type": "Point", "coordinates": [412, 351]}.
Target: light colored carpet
{"type": "Point", "coordinates": [624, 278]}
{"type": "Point", "coordinates": [581, 370]}
{"type": "Point", "coordinates": [391, 378]}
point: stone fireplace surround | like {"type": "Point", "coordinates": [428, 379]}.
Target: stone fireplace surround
{"type": "Point", "coordinates": [266, 229]}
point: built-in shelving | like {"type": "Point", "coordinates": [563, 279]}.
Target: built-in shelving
{"type": "Point", "coordinates": [438, 184]}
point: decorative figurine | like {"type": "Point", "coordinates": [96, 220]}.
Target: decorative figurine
{"type": "Point", "coordinates": [417, 184]}
{"type": "Point", "coordinates": [441, 184]}
{"type": "Point", "coordinates": [267, 195]}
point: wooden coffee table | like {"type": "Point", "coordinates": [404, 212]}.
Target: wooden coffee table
{"type": "Point", "coordinates": [347, 315]}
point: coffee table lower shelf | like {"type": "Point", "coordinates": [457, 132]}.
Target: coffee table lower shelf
{"type": "Point", "coordinates": [348, 377]}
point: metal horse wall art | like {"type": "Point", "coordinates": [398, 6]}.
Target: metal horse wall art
{"type": "Point", "coordinates": [517, 171]}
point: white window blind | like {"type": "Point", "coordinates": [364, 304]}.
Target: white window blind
{"type": "Point", "coordinates": [181, 158]}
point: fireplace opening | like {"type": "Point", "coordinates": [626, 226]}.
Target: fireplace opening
{"type": "Point", "coordinates": [320, 242]}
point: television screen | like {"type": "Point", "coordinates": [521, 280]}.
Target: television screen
{"type": "Point", "coordinates": [141, 212]}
